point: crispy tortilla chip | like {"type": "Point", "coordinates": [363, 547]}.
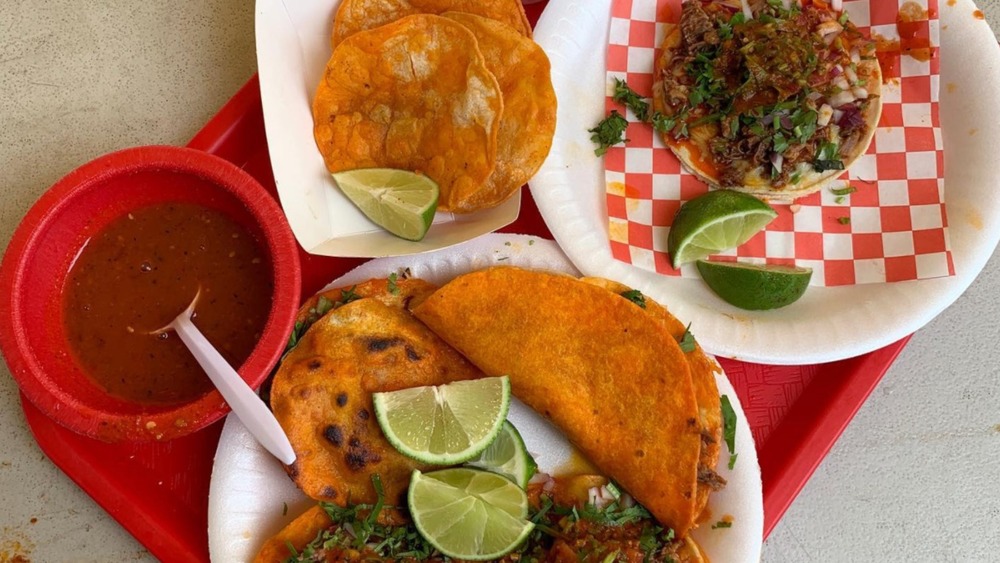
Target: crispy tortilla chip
{"type": "Point", "coordinates": [611, 378]}
{"type": "Point", "coordinates": [414, 94]}
{"type": "Point", "coordinates": [706, 393]}
{"type": "Point", "coordinates": [358, 15]}
{"type": "Point", "coordinates": [322, 392]}
{"type": "Point", "coordinates": [521, 68]}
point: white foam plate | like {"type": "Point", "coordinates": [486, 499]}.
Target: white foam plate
{"type": "Point", "coordinates": [828, 323]}
{"type": "Point", "coordinates": [293, 47]}
{"type": "Point", "coordinates": [250, 491]}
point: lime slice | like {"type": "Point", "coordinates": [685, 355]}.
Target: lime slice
{"type": "Point", "coordinates": [507, 456]}
{"type": "Point", "coordinates": [399, 201]}
{"type": "Point", "coordinates": [444, 424]}
{"type": "Point", "coordinates": [469, 514]}
{"type": "Point", "coordinates": [714, 222]}
{"type": "Point", "coordinates": [754, 287]}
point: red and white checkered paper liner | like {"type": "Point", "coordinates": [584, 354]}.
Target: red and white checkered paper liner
{"type": "Point", "coordinates": [898, 227]}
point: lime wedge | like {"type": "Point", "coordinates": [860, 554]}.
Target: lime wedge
{"type": "Point", "coordinates": [755, 287]}
{"type": "Point", "coordinates": [507, 456]}
{"type": "Point", "coordinates": [444, 424]}
{"type": "Point", "coordinates": [469, 514]}
{"type": "Point", "coordinates": [399, 201]}
{"type": "Point", "coordinates": [714, 222]}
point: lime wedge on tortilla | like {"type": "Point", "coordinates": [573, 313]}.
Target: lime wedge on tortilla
{"type": "Point", "coordinates": [399, 201]}
{"type": "Point", "coordinates": [714, 222]}
{"type": "Point", "coordinates": [469, 514]}
{"type": "Point", "coordinates": [507, 456]}
{"type": "Point", "coordinates": [444, 424]}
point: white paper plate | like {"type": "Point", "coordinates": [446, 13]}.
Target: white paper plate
{"type": "Point", "coordinates": [828, 323]}
{"type": "Point", "coordinates": [293, 46]}
{"type": "Point", "coordinates": [250, 491]}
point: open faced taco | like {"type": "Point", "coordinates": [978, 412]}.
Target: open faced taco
{"type": "Point", "coordinates": [766, 97]}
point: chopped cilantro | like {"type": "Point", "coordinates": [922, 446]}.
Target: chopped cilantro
{"type": "Point", "coordinates": [284, 509]}
{"type": "Point", "coordinates": [609, 132]}
{"type": "Point", "coordinates": [828, 158]}
{"type": "Point", "coordinates": [393, 288]}
{"type": "Point", "coordinates": [635, 296]}
{"type": "Point", "coordinates": [348, 295]}
{"type": "Point", "coordinates": [732, 461]}
{"type": "Point", "coordinates": [729, 428]}
{"type": "Point", "coordinates": [844, 18]}
{"type": "Point", "coordinates": [848, 190]}
{"type": "Point", "coordinates": [687, 341]}
{"type": "Point", "coordinates": [625, 95]}
{"type": "Point", "coordinates": [844, 220]}
{"type": "Point", "coordinates": [357, 528]}
{"type": "Point", "coordinates": [722, 524]}
{"type": "Point", "coordinates": [663, 123]}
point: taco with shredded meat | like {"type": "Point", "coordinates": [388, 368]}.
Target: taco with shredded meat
{"type": "Point", "coordinates": [774, 98]}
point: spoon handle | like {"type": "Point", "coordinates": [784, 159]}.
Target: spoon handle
{"type": "Point", "coordinates": [252, 412]}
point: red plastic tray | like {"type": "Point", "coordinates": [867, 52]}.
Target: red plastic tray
{"type": "Point", "coordinates": [159, 491]}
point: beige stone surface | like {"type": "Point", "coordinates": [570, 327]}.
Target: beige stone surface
{"type": "Point", "coordinates": [913, 478]}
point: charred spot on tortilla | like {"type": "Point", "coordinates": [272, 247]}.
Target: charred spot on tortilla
{"type": "Point", "coordinates": [382, 344]}
{"type": "Point", "coordinates": [341, 399]}
{"type": "Point", "coordinates": [315, 365]}
{"type": "Point", "coordinates": [358, 457]}
{"type": "Point", "coordinates": [329, 492]}
{"type": "Point", "coordinates": [363, 414]}
{"type": "Point", "coordinates": [412, 354]}
{"type": "Point", "coordinates": [334, 435]}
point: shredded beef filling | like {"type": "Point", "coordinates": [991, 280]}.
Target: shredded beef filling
{"type": "Point", "coordinates": [779, 92]}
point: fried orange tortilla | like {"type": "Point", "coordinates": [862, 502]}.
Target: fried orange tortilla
{"type": "Point", "coordinates": [298, 533]}
{"type": "Point", "coordinates": [414, 94]}
{"type": "Point", "coordinates": [521, 68]}
{"type": "Point", "coordinates": [402, 293]}
{"type": "Point", "coordinates": [610, 377]}
{"type": "Point", "coordinates": [322, 392]}
{"type": "Point", "coordinates": [358, 15]}
{"type": "Point", "coordinates": [706, 393]}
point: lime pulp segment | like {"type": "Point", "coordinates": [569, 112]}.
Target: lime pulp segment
{"type": "Point", "coordinates": [469, 514]}
{"type": "Point", "coordinates": [507, 456]}
{"type": "Point", "coordinates": [399, 201]}
{"type": "Point", "coordinates": [714, 222]}
{"type": "Point", "coordinates": [445, 424]}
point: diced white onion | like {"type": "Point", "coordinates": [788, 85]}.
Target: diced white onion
{"type": "Point", "coordinates": [838, 5]}
{"type": "Point", "coordinates": [825, 114]}
{"type": "Point", "coordinates": [786, 4]}
{"type": "Point", "coordinates": [860, 93]}
{"type": "Point", "coordinates": [539, 477]}
{"type": "Point", "coordinates": [745, 4]}
{"type": "Point", "coordinates": [829, 30]}
{"type": "Point", "coordinates": [841, 98]}
{"type": "Point", "coordinates": [837, 114]}
{"type": "Point", "coordinates": [777, 159]}
{"type": "Point", "coordinates": [850, 75]}
{"type": "Point", "coordinates": [814, 96]}
{"type": "Point", "coordinates": [795, 208]}
{"type": "Point", "coordinates": [626, 501]}
{"type": "Point", "coordinates": [855, 55]}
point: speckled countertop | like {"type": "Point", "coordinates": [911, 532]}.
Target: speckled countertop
{"type": "Point", "coordinates": [914, 477]}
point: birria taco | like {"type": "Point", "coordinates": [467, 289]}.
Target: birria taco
{"type": "Point", "coordinates": [771, 98]}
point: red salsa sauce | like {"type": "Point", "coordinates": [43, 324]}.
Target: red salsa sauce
{"type": "Point", "coordinates": [140, 272]}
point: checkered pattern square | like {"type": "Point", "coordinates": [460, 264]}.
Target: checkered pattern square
{"type": "Point", "coordinates": [893, 228]}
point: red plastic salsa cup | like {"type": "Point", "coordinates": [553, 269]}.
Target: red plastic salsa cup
{"type": "Point", "coordinates": [34, 272]}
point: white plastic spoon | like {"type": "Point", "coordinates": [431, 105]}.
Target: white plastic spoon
{"type": "Point", "coordinates": [251, 411]}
